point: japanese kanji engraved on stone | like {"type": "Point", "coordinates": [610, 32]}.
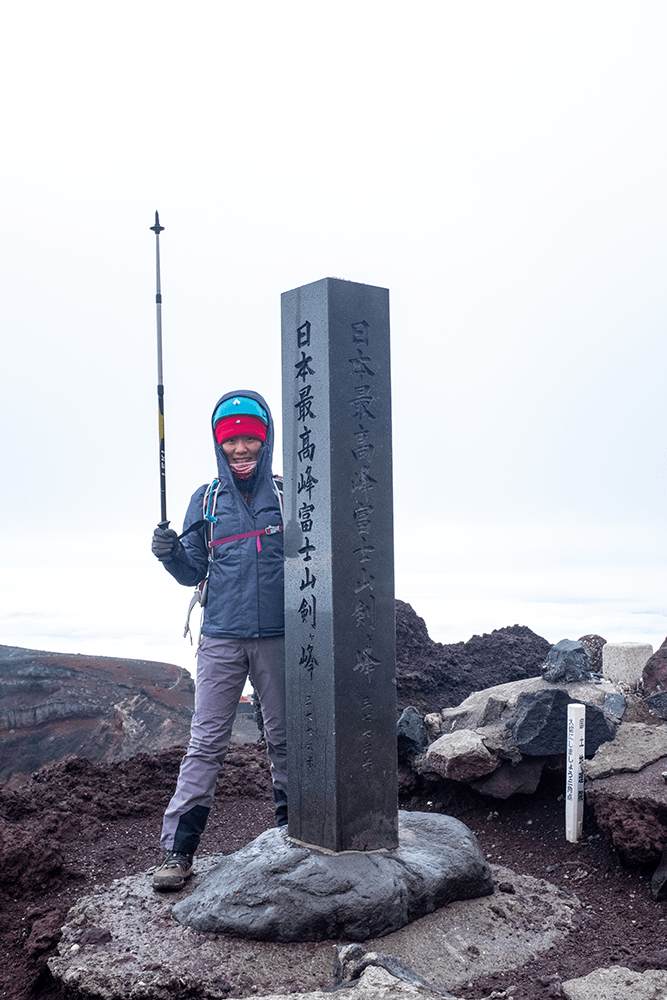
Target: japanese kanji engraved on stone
{"type": "Point", "coordinates": [339, 573]}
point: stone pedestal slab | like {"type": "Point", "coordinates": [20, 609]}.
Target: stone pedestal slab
{"type": "Point", "coordinates": [121, 941]}
{"type": "Point", "coordinates": [617, 981]}
{"type": "Point", "coordinates": [275, 890]}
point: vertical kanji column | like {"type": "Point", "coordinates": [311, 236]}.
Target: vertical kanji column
{"type": "Point", "coordinates": [339, 566]}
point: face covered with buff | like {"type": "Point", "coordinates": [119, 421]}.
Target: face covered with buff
{"type": "Point", "coordinates": [239, 425]}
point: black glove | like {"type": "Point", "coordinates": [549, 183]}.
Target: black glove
{"type": "Point", "coordinates": [165, 544]}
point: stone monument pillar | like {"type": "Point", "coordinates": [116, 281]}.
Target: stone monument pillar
{"type": "Point", "coordinates": [339, 571]}
{"type": "Point", "coordinates": [321, 881]}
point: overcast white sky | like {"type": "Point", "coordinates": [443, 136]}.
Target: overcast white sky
{"type": "Point", "coordinates": [499, 166]}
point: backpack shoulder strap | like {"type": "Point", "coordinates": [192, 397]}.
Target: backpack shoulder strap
{"type": "Point", "coordinates": [208, 510]}
{"type": "Point", "coordinates": [278, 489]}
{"type": "Point", "coordinates": [209, 518]}
{"type": "Point", "coordinates": [209, 505]}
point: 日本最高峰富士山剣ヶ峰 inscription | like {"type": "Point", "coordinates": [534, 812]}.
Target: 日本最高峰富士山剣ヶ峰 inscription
{"type": "Point", "coordinates": [339, 572]}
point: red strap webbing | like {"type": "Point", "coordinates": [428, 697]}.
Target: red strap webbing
{"type": "Point", "coordinates": [271, 530]}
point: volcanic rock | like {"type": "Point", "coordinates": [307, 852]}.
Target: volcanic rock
{"type": "Point", "coordinates": [567, 661]}
{"type": "Point", "coordinates": [430, 674]}
{"type": "Point", "coordinates": [148, 949]}
{"type": "Point", "coordinates": [25, 856]}
{"type": "Point", "coordinates": [351, 962]}
{"type": "Point", "coordinates": [489, 738]}
{"type": "Point", "coordinates": [593, 645]}
{"type": "Point", "coordinates": [626, 788]}
{"type": "Point", "coordinates": [658, 704]}
{"type": "Point", "coordinates": [655, 671]}
{"type": "Point", "coordinates": [637, 710]}
{"type": "Point", "coordinates": [377, 982]}
{"type": "Point", "coordinates": [45, 932]}
{"type": "Point", "coordinates": [659, 879]}
{"type": "Point", "coordinates": [512, 779]}
{"type": "Point", "coordinates": [71, 801]}
{"type": "Point", "coordinates": [411, 734]}
{"type": "Point", "coordinates": [615, 704]}
{"type": "Point", "coordinates": [514, 719]}
{"type": "Point", "coordinates": [631, 809]}
{"type": "Point", "coordinates": [654, 681]}
{"type": "Point", "coordinates": [539, 725]}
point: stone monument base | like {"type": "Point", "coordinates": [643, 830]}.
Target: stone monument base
{"type": "Point", "coordinates": [276, 890]}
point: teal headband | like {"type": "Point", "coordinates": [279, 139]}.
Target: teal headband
{"type": "Point", "coordinates": [240, 404]}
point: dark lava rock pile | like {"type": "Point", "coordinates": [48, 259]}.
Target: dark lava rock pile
{"type": "Point", "coordinates": [432, 676]}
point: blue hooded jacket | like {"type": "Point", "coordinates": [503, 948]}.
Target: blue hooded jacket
{"type": "Point", "coordinates": [246, 588]}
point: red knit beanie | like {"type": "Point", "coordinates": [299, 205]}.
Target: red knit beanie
{"type": "Point", "coordinates": [242, 425]}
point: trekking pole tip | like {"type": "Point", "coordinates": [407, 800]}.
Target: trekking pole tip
{"type": "Point", "coordinates": [157, 228]}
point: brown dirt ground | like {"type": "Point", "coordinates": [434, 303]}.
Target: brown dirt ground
{"type": "Point", "coordinates": [78, 825]}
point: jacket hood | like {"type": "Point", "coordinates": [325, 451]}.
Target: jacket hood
{"type": "Point", "coordinates": [265, 460]}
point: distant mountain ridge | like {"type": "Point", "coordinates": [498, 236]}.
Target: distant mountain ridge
{"type": "Point", "coordinates": [104, 708]}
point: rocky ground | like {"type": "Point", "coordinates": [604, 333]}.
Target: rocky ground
{"type": "Point", "coordinates": [79, 825]}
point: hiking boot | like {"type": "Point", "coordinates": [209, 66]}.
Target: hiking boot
{"type": "Point", "coordinates": [172, 873]}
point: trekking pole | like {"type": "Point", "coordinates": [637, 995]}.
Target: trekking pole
{"type": "Point", "coordinates": [157, 229]}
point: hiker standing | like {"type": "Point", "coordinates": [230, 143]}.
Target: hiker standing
{"type": "Point", "coordinates": [243, 625]}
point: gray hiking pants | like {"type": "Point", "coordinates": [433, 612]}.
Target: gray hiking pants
{"type": "Point", "coordinates": [222, 668]}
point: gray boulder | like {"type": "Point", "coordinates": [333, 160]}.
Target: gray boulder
{"type": "Point", "coordinates": [567, 661]}
{"type": "Point", "coordinates": [494, 708]}
{"type": "Point", "coordinates": [274, 890]}
{"type": "Point", "coordinates": [461, 756]}
{"type": "Point", "coordinates": [636, 745]}
{"type": "Point", "coordinates": [489, 738]}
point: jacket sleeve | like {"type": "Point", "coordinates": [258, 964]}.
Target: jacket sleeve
{"type": "Point", "coordinates": [190, 564]}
